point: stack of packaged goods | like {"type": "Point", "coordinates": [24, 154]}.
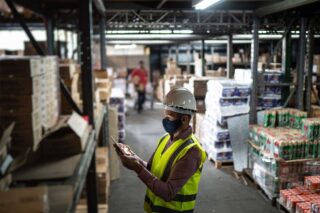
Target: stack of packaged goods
{"type": "Point", "coordinates": [117, 100]}
{"type": "Point", "coordinates": [285, 149]}
{"type": "Point", "coordinates": [29, 97]}
{"type": "Point", "coordinates": [269, 96]}
{"type": "Point", "coordinates": [302, 199]}
{"type": "Point", "coordinates": [224, 98]}
{"type": "Point", "coordinates": [70, 74]}
{"type": "Point", "coordinates": [5, 158]}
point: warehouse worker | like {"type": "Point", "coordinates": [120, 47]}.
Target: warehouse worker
{"type": "Point", "coordinates": [172, 174]}
{"type": "Point", "coordinates": [139, 78]}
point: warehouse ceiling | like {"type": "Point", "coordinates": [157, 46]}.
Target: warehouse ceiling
{"type": "Point", "coordinates": [147, 16]}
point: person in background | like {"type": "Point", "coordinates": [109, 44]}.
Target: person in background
{"type": "Point", "coordinates": [173, 172]}
{"type": "Point", "coordinates": [139, 78]}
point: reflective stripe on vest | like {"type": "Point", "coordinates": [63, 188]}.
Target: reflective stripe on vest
{"type": "Point", "coordinates": [161, 209]}
{"type": "Point", "coordinates": [161, 164]}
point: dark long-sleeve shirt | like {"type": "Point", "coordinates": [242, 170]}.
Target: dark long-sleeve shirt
{"type": "Point", "coordinates": [179, 175]}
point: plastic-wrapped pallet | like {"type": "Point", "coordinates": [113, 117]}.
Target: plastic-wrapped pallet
{"type": "Point", "coordinates": [269, 96]}
{"type": "Point", "coordinates": [117, 99]}
{"type": "Point", "coordinates": [224, 98]}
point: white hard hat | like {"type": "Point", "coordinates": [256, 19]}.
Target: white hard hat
{"type": "Point", "coordinates": [180, 100]}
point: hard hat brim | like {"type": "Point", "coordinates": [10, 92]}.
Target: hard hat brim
{"type": "Point", "coordinates": [179, 110]}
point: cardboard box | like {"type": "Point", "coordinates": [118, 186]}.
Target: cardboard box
{"type": "Point", "coordinates": [31, 199]}
{"type": "Point", "coordinates": [20, 67]}
{"type": "Point", "coordinates": [68, 137]}
{"type": "Point", "coordinates": [101, 74]}
{"type": "Point", "coordinates": [201, 106]}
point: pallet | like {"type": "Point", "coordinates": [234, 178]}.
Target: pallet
{"type": "Point", "coordinates": [219, 164]}
{"type": "Point", "coordinates": [282, 208]}
{"type": "Point", "coordinates": [270, 199]}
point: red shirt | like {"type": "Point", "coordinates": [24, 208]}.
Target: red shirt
{"type": "Point", "coordinates": [142, 74]}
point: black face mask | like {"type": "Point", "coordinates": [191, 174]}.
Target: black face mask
{"type": "Point", "coordinates": [171, 126]}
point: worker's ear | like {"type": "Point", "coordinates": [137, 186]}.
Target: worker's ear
{"type": "Point", "coordinates": [185, 119]}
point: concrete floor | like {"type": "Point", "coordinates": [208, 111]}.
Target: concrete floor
{"type": "Point", "coordinates": [219, 192]}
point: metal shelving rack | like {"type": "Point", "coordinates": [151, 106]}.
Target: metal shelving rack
{"type": "Point", "coordinates": [86, 170]}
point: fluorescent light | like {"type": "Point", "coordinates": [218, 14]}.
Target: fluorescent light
{"type": "Point", "coordinates": [148, 36]}
{"type": "Point", "coordinates": [205, 4]}
{"type": "Point", "coordinates": [160, 31]}
{"type": "Point", "coordinates": [139, 42]}
{"type": "Point", "coordinates": [183, 31]}
{"type": "Point", "coordinates": [125, 46]}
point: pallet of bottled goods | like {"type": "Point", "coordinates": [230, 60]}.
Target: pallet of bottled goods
{"type": "Point", "coordinates": [285, 149]}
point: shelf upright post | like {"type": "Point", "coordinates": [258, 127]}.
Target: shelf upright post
{"type": "Point", "coordinates": [286, 64]}
{"type": "Point", "coordinates": [103, 54]}
{"type": "Point", "coordinates": [230, 70]}
{"type": "Point", "coordinates": [85, 26]}
{"type": "Point", "coordinates": [50, 34]}
{"type": "Point", "coordinates": [301, 64]}
{"type": "Point", "coordinates": [203, 62]}
{"type": "Point", "coordinates": [177, 54]}
{"type": "Point", "coordinates": [310, 66]}
{"type": "Point", "coordinates": [254, 68]}
{"type": "Point", "coordinates": [25, 27]}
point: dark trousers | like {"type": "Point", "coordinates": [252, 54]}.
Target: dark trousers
{"type": "Point", "coordinates": [141, 99]}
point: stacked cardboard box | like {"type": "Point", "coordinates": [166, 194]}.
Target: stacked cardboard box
{"type": "Point", "coordinates": [117, 99]}
{"type": "Point", "coordinates": [29, 90]}
{"type": "Point", "coordinates": [174, 81]}
{"type": "Point", "coordinates": [103, 175]}
{"type": "Point", "coordinates": [32, 199]}
{"type": "Point", "coordinates": [102, 178]}
{"type": "Point", "coordinates": [224, 98]}
{"type": "Point", "coordinates": [103, 85]}
{"type": "Point", "coordinates": [172, 68]}
{"type": "Point", "coordinates": [68, 137]}
{"type": "Point", "coordinates": [70, 74]}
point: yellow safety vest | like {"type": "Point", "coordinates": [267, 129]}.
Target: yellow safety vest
{"type": "Point", "coordinates": [161, 165]}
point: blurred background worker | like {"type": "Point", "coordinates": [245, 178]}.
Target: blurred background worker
{"type": "Point", "coordinates": [139, 78]}
{"type": "Point", "coordinates": [173, 172]}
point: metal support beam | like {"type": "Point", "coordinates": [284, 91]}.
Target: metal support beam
{"type": "Point", "coordinates": [301, 64]}
{"type": "Point", "coordinates": [282, 6]}
{"type": "Point", "coordinates": [177, 54]}
{"type": "Point", "coordinates": [161, 4]}
{"type": "Point", "coordinates": [103, 55]}
{"type": "Point", "coordinates": [50, 35]}
{"type": "Point", "coordinates": [188, 58]}
{"type": "Point", "coordinates": [203, 61]}
{"type": "Point", "coordinates": [286, 64]}
{"type": "Point", "coordinates": [100, 7]}
{"type": "Point", "coordinates": [23, 24]}
{"type": "Point", "coordinates": [254, 67]}
{"type": "Point", "coordinates": [85, 24]}
{"type": "Point", "coordinates": [310, 66]}
{"type": "Point", "coordinates": [230, 70]}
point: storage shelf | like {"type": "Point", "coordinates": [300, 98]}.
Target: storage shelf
{"type": "Point", "coordinates": [77, 179]}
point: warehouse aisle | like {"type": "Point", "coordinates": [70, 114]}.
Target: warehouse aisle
{"type": "Point", "coordinates": [218, 193]}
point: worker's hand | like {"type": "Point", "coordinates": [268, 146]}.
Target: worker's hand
{"type": "Point", "coordinates": [129, 161]}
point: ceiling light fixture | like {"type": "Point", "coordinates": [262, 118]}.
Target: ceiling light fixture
{"type": "Point", "coordinates": [205, 4]}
